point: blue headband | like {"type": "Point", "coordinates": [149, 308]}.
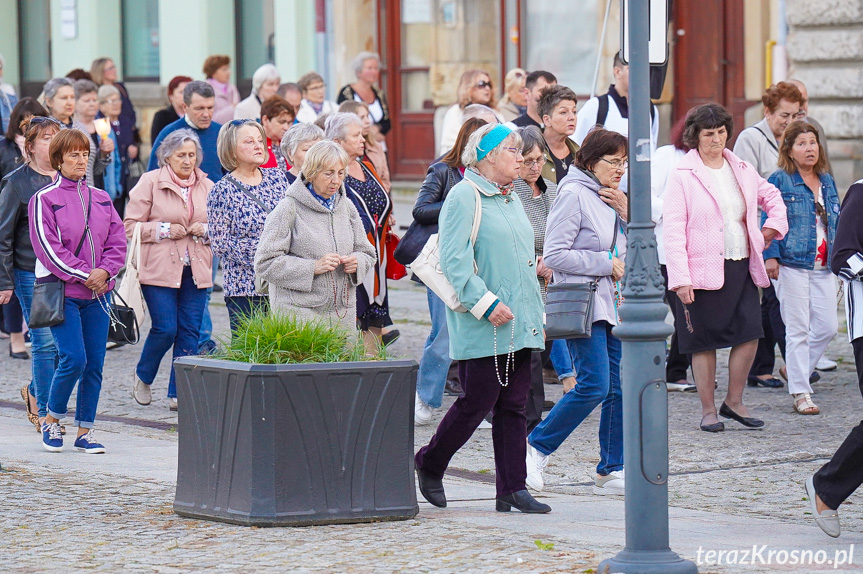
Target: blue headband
{"type": "Point", "coordinates": [491, 140]}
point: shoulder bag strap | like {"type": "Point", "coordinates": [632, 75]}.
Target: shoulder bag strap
{"type": "Point", "coordinates": [602, 110]}
{"type": "Point", "coordinates": [477, 214]}
{"type": "Point", "coordinates": [251, 195]}
{"type": "Point", "coordinates": [86, 222]}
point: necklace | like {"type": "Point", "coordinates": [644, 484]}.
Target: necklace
{"type": "Point", "coordinates": [510, 355]}
{"type": "Point", "coordinates": [345, 296]}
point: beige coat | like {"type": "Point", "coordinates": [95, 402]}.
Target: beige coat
{"type": "Point", "coordinates": [297, 233]}
{"type": "Point", "coordinates": [157, 199]}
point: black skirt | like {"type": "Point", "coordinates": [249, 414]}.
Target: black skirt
{"type": "Point", "coordinates": [727, 317]}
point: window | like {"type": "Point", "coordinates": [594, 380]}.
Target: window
{"type": "Point", "coordinates": [255, 37]}
{"type": "Point", "coordinates": [140, 39]}
{"type": "Point", "coordinates": [34, 35]}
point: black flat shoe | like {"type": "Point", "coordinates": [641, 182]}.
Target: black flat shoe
{"type": "Point", "coordinates": [715, 427]}
{"type": "Point", "coordinates": [19, 355]}
{"type": "Point", "coordinates": [750, 422]}
{"type": "Point", "coordinates": [771, 383]}
{"type": "Point", "coordinates": [521, 500]}
{"type": "Point", "coordinates": [390, 338]}
{"type": "Point", "coordinates": [431, 489]}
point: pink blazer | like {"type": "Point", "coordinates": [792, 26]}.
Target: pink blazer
{"type": "Point", "coordinates": [693, 224]}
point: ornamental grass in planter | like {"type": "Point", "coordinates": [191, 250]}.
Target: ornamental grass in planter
{"type": "Point", "coordinates": [291, 424]}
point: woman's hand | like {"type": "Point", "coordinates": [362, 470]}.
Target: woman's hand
{"type": "Point", "coordinates": [350, 264]}
{"type": "Point", "coordinates": [197, 230]}
{"type": "Point", "coordinates": [772, 266]}
{"type": "Point", "coordinates": [501, 315]}
{"type": "Point", "coordinates": [106, 146]}
{"type": "Point", "coordinates": [542, 270]}
{"type": "Point", "coordinates": [769, 234]}
{"type": "Point", "coordinates": [5, 296]}
{"type": "Point", "coordinates": [616, 199]}
{"type": "Point", "coordinates": [327, 263]}
{"type": "Point", "coordinates": [617, 269]}
{"type": "Point", "coordinates": [133, 151]}
{"type": "Point", "coordinates": [97, 281]}
{"type": "Point", "coordinates": [686, 294]}
{"type": "Point", "coordinates": [178, 231]}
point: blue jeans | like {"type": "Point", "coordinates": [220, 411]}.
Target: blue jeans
{"type": "Point", "coordinates": [206, 332]}
{"type": "Point", "coordinates": [597, 362]}
{"type": "Point", "coordinates": [561, 359]}
{"type": "Point", "coordinates": [80, 341]}
{"type": "Point", "coordinates": [435, 361]}
{"type": "Point", "coordinates": [42, 349]}
{"type": "Point", "coordinates": [175, 315]}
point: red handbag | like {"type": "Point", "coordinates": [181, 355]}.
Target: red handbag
{"type": "Point", "coordinates": [395, 270]}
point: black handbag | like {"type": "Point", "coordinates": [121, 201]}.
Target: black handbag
{"type": "Point", "coordinates": [412, 243]}
{"type": "Point", "coordinates": [123, 328]}
{"type": "Point", "coordinates": [48, 307]}
{"type": "Point", "coordinates": [569, 306]}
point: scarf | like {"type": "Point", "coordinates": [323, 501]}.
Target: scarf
{"type": "Point", "coordinates": [503, 189]}
{"type": "Point", "coordinates": [189, 183]}
{"type": "Point", "coordinates": [219, 85]}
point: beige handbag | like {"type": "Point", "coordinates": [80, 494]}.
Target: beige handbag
{"type": "Point", "coordinates": [130, 286]}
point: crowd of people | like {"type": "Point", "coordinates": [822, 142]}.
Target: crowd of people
{"type": "Point", "coordinates": [290, 193]}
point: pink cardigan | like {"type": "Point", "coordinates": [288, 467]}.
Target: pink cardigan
{"type": "Point", "coordinates": [693, 225]}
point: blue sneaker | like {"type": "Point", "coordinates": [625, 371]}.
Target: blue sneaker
{"type": "Point", "coordinates": [88, 444]}
{"type": "Point", "coordinates": [52, 439]}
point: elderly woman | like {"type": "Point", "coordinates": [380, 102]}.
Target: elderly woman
{"type": "Point", "coordinates": [296, 143]}
{"type": "Point", "coordinates": [265, 82]}
{"type": "Point", "coordinates": [85, 248]}
{"type": "Point", "coordinates": [18, 259]}
{"type": "Point", "coordinates": [585, 241]}
{"type": "Point", "coordinates": [556, 107]}
{"type": "Point", "coordinates": [175, 109]}
{"type": "Point", "coordinates": [513, 103]}
{"type": "Point", "coordinates": [435, 361]}
{"type": "Point", "coordinates": [367, 68]}
{"type": "Point", "coordinates": [495, 278]}
{"type": "Point", "coordinates": [314, 103]}
{"type": "Point", "coordinates": [537, 195]}
{"type": "Point", "coordinates": [474, 88]}
{"type": "Point", "coordinates": [237, 208]}
{"type": "Point", "coordinates": [372, 151]}
{"type": "Point", "coordinates": [277, 116]}
{"type": "Point", "coordinates": [104, 73]}
{"type": "Point", "coordinates": [169, 206]}
{"type": "Point", "coordinates": [113, 179]}
{"type": "Point", "coordinates": [60, 102]}
{"type": "Point", "coordinates": [313, 250]}
{"type": "Point", "coordinates": [800, 262]}
{"type": "Point", "coordinates": [713, 246]}
{"type": "Point", "coordinates": [217, 70]}
{"type": "Point", "coordinates": [375, 207]}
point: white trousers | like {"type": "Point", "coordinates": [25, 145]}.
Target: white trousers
{"type": "Point", "coordinates": [807, 302]}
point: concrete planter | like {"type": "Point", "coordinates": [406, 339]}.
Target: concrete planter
{"type": "Point", "coordinates": [295, 445]}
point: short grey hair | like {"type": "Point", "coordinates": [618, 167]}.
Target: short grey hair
{"type": "Point", "coordinates": [531, 138]}
{"type": "Point", "coordinates": [361, 58]}
{"type": "Point", "coordinates": [337, 124]}
{"type": "Point", "coordinates": [53, 86]}
{"type": "Point", "coordinates": [479, 111]}
{"type": "Point", "coordinates": [106, 92]}
{"type": "Point", "coordinates": [262, 74]}
{"type": "Point", "coordinates": [469, 156]}
{"type": "Point", "coordinates": [322, 156]}
{"type": "Point", "coordinates": [203, 89]}
{"type": "Point", "coordinates": [84, 87]}
{"type": "Point", "coordinates": [297, 134]}
{"type": "Point", "coordinates": [173, 141]}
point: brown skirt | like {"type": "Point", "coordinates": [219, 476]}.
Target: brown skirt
{"type": "Point", "coordinates": [726, 317]}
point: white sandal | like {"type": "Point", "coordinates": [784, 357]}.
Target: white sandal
{"type": "Point", "coordinates": [803, 404]}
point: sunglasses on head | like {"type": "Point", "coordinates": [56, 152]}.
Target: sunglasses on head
{"type": "Point", "coordinates": [242, 122]}
{"type": "Point", "coordinates": [43, 119]}
{"type": "Point", "coordinates": [483, 84]}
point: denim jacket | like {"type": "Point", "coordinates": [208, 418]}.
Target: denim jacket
{"type": "Point", "coordinates": [797, 249]}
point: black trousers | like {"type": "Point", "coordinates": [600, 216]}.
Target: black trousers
{"type": "Point", "coordinates": [242, 307]}
{"type": "Point", "coordinates": [774, 334]}
{"type": "Point", "coordinates": [536, 393]}
{"type": "Point", "coordinates": [677, 363]}
{"type": "Point", "coordinates": [840, 477]}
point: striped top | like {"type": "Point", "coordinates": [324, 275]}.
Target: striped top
{"type": "Point", "coordinates": [537, 209]}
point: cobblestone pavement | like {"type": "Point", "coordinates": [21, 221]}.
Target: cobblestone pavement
{"type": "Point", "coordinates": [79, 522]}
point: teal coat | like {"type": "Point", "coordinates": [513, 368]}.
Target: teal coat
{"type": "Point", "coordinates": [506, 261]}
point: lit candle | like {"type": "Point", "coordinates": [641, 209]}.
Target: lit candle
{"type": "Point", "coordinates": [103, 127]}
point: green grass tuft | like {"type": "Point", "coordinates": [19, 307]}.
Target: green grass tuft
{"type": "Point", "coordinates": [275, 338]}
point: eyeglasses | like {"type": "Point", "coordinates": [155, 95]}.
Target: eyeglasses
{"type": "Point", "coordinates": [318, 87]}
{"type": "Point", "coordinates": [537, 163]}
{"type": "Point", "coordinates": [35, 120]}
{"type": "Point", "coordinates": [821, 213]}
{"type": "Point", "coordinates": [516, 151]}
{"type": "Point", "coordinates": [483, 84]}
{"type": "Point", "coordinates": [617, 164]}
{"type": "Point", "coordinates": [242, 122]}
{"type": "Point", "coordinates": [112, 101]}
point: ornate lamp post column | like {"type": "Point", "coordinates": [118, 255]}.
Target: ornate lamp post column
{"type": "Point", "coordinates": [643, 332]}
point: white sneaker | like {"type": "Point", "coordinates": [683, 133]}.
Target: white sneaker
{"type": "Point", "coordinates": [825, 364]}
{"type": "Point", "coordinates": [141, 391]}
{"type": "Point", "coordinates": [535, 463]}
{"type": "Point", "coordinates": [612, 483]}
{"type": "Point", "coordinates": [422, 413]}
{"type": "Point", "coordinates": [681, 387]}
{"type": "Point", "coordinates": [172, 403]}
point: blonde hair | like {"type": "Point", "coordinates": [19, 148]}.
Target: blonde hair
{"type": "Point", "coordinates": [97, 69]}
{"type": "Point", "coordinates": [514, 80]}
{"type": "Point", "coordinates": [322, 156]}
{"type": "Point", "coordinates": [226, 144]}
{"type": "Point", "coordinates": [468, 80]}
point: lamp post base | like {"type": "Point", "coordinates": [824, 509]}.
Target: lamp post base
{"type": "Point", "coordinates": [647, 562]}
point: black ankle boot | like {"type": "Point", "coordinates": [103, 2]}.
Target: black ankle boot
{"type": "Point", "coordinates": [431, 489]}
{"type": "Point", "coordinates": [522, 500]}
